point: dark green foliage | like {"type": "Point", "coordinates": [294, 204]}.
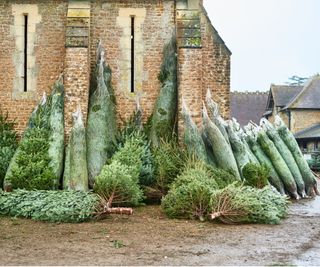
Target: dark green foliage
{"type": "Point", "coordinates": [102, 124]}
{"type": "Point", "coordinates": [222, 177]}
{"type": "Point", "coordinates": [41, 114]}
{"type": "Point", "coordinates": [51, 206]}
{"type": "Point", "coordinates": [246, 204]}
{"type": "Point", "coordinates": [147, 176]}
{"type": "Point", "coordinates": [190, 195]}
{"type": "Point", "coordinates": [131, 127]}
{"type": "Point", "coordinates": [130, 165]}
{"type": "Point", "coordinates": [164, 114]}
{"type": "Point", "coordinates": [30, 168]}
{"type": "Point", "coordinates": [169, 160]}
{"type": "Point", "coordinates": [314, 162]}
{"type": "Point", "coordinates": [136, 153]}
{"type": "Point", "coordinates": [130, 155]}
{"type": "Point", "coordinates": [8, 144]}
{"type": "Point", "coordinates": [256, 175]}
{"type": "Point", "coordinates": [117, 185]}
{"type": "Point", "coordinates": [133, 133]}
{"type": "Point", "coordinates": [274, 178]}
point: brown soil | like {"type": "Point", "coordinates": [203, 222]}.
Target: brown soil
{"type": "Point", "coordinates": [149, 238]}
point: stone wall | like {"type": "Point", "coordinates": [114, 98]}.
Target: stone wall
{"type": "Point", "coordinates": [215, 66]}
{"type": "Point", "coordinates": [282, 114]}
{"type": "Point", "coordinates": [200, 68]}
{"type": "Point", "coordinates": [76, 82]}
{"type": "Point", "coordinates": [302, 119]}
{"type": "Point", "coordinates": [154, 26]}
{"type": "Point", "coordinates": [45, 60]}
{"type": "Point", "coordinates": [190, 83]}
{"type": "Point", "coordinates": [204, 62]}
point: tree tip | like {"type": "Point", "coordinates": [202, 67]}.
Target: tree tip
{"type": "Point", "coordinates": [278, 121]}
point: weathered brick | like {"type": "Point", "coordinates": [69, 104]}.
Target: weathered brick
{"type": "Point", "coordinates": [207, 67]}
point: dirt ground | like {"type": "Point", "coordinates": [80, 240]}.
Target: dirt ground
{"type": "Point", "coordinates": [149, 238]}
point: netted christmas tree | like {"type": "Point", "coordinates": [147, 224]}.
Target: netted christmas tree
{"type": "Point", "coordinates": [164, 114]}
{"type": "Point", "coordinates": [76, 169]}
{"type": "Point", "coordinates": [102, 124]}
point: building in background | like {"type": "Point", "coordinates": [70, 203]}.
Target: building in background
{"type": "Point", "coordinates": [299, 107]}
{"type": "Point", "coordinates": [40, 39]}
{"type": "Point", "coordinates": [248, 106]}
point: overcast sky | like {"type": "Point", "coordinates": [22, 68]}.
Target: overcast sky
{"type": "Point", "coordinates": [270, 40]}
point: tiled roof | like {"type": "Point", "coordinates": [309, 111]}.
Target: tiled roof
{"type": "Point", "coordinates": [311, 132]}
{"type": "Point", "coordinates": [284, 94]}
{"type": "Point", "coordinates": [246, 106]}
{"type": "Point", "coordinates": [309, 97]}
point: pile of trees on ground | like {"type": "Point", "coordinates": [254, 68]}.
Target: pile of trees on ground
{"type": "Point", "coordinates": [221, 172]}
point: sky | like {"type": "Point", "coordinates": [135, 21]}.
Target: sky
{"type": "Point", "coordinates": [270, 40]}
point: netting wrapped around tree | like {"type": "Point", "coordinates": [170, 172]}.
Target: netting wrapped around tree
{"type": "Point", "coordinates": [278, 162]}
{"type": "Point", "coordinates": [286, 155]}
{"type": "Point", "coordinates": [238, 148]}
{"type": "Point", "coordinates": [221, 149]}
{"type": "Point", "coordinates": [102, 125]}
{"type": "Point", "coordinates": [215, 116]}
{"type": "Point", "coordinates": [209, 150]}
{"type": "Point", "coordinates": [164, 114]}
{"type": "Point", "coordinates": [76, 177]}
{"type": "Point", "coordinates": [251, 155]}
{"type": "Point", "coordinates": [307, 175]}
{"type": "Point", "coordinates": [274, 178]}
{"type": "Point", "coordinates": [56, 144]}
{"type": "Point", "coordinates": [192, 137]}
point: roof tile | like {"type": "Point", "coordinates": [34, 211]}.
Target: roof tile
{"type": "Point", "coordinates": [246, 106]}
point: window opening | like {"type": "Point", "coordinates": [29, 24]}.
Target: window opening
{"type": "Point", "coordinates": [304, 145]}
{"type": "Point", "coordinates": [132, 53]}
{"type": "Point", "coordinates": [25, 52]}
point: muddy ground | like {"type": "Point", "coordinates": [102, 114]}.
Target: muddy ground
{"type": "Point", "coordinates": [149, 238]}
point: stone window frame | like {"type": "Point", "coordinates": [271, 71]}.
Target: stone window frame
{"type": "Point", "coordinates": [124, 23]}
{"type": "Point", "coordinates": [19, 11]}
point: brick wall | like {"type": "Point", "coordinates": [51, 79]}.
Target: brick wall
{"type": "Point", "coordinates": [215, 66]}
{"type": "Point", "coordinates": [302, 119]}
{"type": "Point", "coordinates": [76, 82]}
{"type": "Point", "coordinates": [190, 83]}
{"type": "Point", "coordinates": [49, 55]}
{"type": "Point", "coordinates": [282, 114]}
{"type": "Point", "coordinates": [200, 69]}
{"type": "Point", "coordinates": [155, 31]}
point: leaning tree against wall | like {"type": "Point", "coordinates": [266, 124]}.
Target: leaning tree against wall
{"type": "Point", "coordinates": [164, 114]}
